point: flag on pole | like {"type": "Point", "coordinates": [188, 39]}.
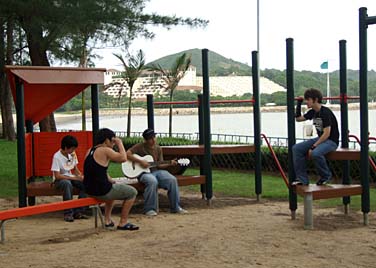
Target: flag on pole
{"type": "Point", "coordinates": [324, 65]}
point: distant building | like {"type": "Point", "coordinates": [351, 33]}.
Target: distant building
{"type": "Point", "coordinates": [219, 85]}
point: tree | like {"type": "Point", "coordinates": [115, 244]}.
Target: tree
{"type": "Point", "coordinates": [172, 77]}
{"type": "Point", "coordinates": [6, 57]}
{"type": "Point", "coordinates": [133, 67]}
{"type": "Point", "coordinates": [51, 27]}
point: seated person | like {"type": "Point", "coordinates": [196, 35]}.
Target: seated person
{"type": "Point", "coordinates": [158, 177]}
{"type": "Point", "coordinates": [326, 141]}
{"type": "Point", "coordinates": [100, 185]}
{"type": "Point", "coordinates": [63, 163]}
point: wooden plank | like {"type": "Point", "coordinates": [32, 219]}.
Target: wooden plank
{"type": "Point", "coordinates": [328, 191]}
{"type": "Point", "coordinates": [45, 208]}
{"type": "Point", "coordinates": [344, 154]}
{"type": "Point", "coordinates": [45, 188]}
{"type": "Point", "coordinates": [188, 150]}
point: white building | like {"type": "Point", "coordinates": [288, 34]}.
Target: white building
{"type": "Point", "coordinates": [219, 85]}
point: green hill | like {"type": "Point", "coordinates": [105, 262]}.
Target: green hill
{"type": "Point", "coordinates": [218, 65]}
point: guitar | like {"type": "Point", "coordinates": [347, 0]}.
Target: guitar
{"type": "Point", "coordinates": [132, 169]}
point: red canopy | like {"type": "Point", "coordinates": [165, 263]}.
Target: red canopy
{"type": "Point", "coordinates": [47, 88]}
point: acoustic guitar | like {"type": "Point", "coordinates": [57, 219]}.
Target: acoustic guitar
{"type": "Point", "coordinates": [133, 170]}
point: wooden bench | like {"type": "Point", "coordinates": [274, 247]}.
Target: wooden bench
{"type": "Point", "coordinates": [344, 154]}
{"type": "Point", "coordinates": [313, 192]}
{"type": "Point", "coordinates": [15, 213]}
{"type": "Point", "coordinates": [45, 188]}
{"type": "Point", "coordinates": [189, 150]}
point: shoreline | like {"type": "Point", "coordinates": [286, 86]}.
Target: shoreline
{"type": "Point", "coordinates": [74, 116]}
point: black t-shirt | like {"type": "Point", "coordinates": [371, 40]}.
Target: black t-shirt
{"type": "Point", "coordinates": [322, 119]}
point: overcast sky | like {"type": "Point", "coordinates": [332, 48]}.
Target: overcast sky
{"type": "Point", "coordinates": [316, 26]}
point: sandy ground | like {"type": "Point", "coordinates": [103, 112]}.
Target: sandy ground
{"type": "Point", "coordinates": [234, 232]}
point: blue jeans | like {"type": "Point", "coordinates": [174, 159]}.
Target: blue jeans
{"type": "Point", "coordinates": [299, 152]}
{"type": "Point", "coordinates": [67, 187]}
{"type": "Point", "coordinates": [160, 179]}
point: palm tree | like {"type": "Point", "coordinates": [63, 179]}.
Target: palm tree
{"type": "Point", "coordinates": [172, 77]}
{"type": "Point", "coordinates": [133, 67]}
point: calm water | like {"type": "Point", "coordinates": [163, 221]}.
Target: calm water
{"type": "Point", "coordinates": [272, 124]}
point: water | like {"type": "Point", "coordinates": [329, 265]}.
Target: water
{"type": "Point", "coordinates": [273, 124]}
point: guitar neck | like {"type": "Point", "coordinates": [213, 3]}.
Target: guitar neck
{"type": "Point", "coordinates": [157, 163]}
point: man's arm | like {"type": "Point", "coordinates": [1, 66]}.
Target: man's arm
{"type": "Point", "coordinates": [59, 176]}
{"type": "Point", "coordinates": [325, 135]}
{"type": "Point", "coordinates": [298, 111]}
{"type": "Point", "coordinates": [132, 158]}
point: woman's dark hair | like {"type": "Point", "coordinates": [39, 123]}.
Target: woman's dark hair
{"type": "Point", "coordinates": [314, 94]}
{"type": "Point", "coordinates": [69, 142]}
{"type": "Point", "coordinates": [103, 134]}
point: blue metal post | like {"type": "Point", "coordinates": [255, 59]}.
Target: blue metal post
{"type": "Point", "coordinates": [344, 117]}
{"type": "Point", "coordinates": [207, 132]}
{"type": "Point", "coordinates": [150, 110]}
{"type": "Point", "coordinates": [21, 154]}
{"type": "Point", "coordinates": [94, 109]}
{"type": "Point", "coordinates": [290, 121]}
{"type": "Point", "coordinates": [257, 124]}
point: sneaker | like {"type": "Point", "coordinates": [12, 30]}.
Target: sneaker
{"type": "Point", "coordinates": [151, 213]}
{"type": "Point", "coordinates": [298, 182]}
{"type": "Point", "coordinates": [322, 181]}
{"type": "Point", "coordinates": [68, 218]}
{"type": "Point", "coordinates": [181, 211]}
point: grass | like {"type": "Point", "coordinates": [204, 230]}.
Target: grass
{"type": "Point", "coordinates": [225, 182]}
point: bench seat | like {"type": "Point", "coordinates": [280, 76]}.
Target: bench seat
{"type": "Point", "coordinates": [344, 154]}
{"type": "Point", "coordinates": [190, 150]}
{"type": "Point", "coordinates": [15, 213]}
{"type": "Point", "coordinates": [313, 192]}
{"type": "Point", "coordinates": [45, 188]}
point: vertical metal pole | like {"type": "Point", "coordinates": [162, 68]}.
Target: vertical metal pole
{"type": "Point", "coordinates": [21, 143]}
{"type": "Point", "coordinates": [201, 137]}
{"type": "Point", "coordinates": [257, 124]}
{"type": "Point", "coordinates": [363, 90]}
{"type": "Point", "coordinates": [344, 117]}
{"type": "Point", "coordinates": [207, 132]}
{"type": "Point", "coordinates": [290, 120]}
{"type": "Point", "coordinates": [94, 110]}
{"type": "Point", "coordinates": [30, 129]}
{"type": "Point", "coordinates": [150, 110]}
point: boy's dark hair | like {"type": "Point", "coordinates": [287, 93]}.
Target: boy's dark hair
{"type": "Point", "coordinates": [103, 134]}
{"type": "Point", "coordinates": [68, 142]}
{"type": "Point", "coordinates": [314, 94]}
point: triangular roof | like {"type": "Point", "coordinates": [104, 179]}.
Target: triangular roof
{"type": "Point", "coordinates": [47, 88]}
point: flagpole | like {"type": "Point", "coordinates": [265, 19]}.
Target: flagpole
{"type": "Point", "coordinates": [327, 85]}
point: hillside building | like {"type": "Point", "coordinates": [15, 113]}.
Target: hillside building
{"type": "Point", "coordinates": [219, 85]}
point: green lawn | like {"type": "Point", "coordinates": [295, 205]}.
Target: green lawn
{"type": "Point", "coordinates": [225, 182]}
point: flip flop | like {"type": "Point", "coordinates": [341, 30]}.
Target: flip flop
{"type": "Point", "coordinates": [128, 227]}
{"type": "Point", "coordinates": [111, 225]}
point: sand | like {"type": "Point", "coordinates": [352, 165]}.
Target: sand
{"type": "Point", "coordinates": [234, 232]}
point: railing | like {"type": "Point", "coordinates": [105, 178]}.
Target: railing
{"type": "Point", "coordinates": [232, 138]}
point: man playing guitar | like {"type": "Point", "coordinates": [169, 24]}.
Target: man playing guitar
{"type": "Point", "coordinates": [158, 177]}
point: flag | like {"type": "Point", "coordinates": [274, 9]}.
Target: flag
{"type": "Point", "coordinates": [324, 65]}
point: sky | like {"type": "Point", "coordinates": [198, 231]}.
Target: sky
{"type": "Point", "coordinates": [315, 25]}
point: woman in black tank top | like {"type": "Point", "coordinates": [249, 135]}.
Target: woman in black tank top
{"type": "Point", "coordinates": [100, 185]}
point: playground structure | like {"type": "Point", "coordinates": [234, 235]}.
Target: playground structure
{"type": "Point", "coordinates": [34, 106]}
{"type": "Point", "coordinates": [205, 149]}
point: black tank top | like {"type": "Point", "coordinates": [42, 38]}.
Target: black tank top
{"type": "Point", "coordinates": [95, 176]}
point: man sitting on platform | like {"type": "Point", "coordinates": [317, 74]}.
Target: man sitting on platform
{"type": "Point", "coordinates": [326, 126]}
{"type": "Point", "coordinates": [63, 163]}
{"type": "Point", "coordinates": [158, 177]}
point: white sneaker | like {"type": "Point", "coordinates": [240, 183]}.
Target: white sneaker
{"type": "Point", "coordinates": [151, 213]}
{"type": "Point", "coordinates": [182, 211]}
